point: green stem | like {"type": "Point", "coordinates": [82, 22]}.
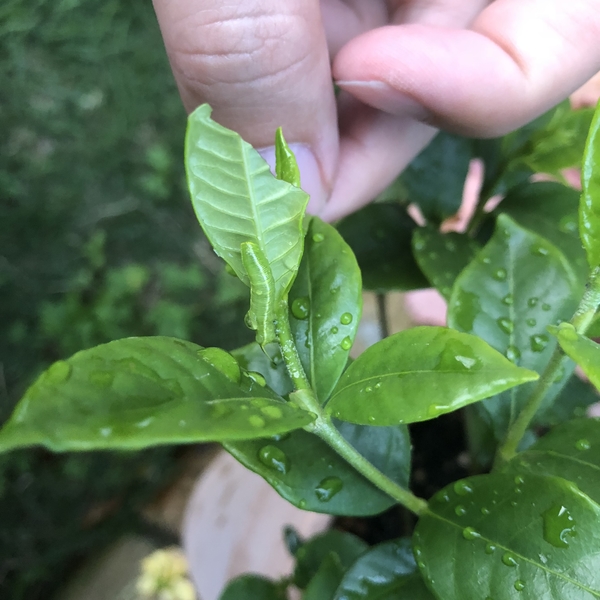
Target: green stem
{"type": "Point", "coordinates": [581, 320]}
{"type": "Point", "coordinates": [382, 315]}
{"type": "Point", "coordinates": [325, 429]}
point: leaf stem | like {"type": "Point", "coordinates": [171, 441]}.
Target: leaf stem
{"type": "Point", "coordinates": [581, 320]}
{"type": "Point", "coordinates": [382, 315]}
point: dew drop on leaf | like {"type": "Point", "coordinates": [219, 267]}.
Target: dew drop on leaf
{"type": "Point", "coordinates": [513, 353]}
{"type": "Point", "coordinates": [509, 559]}
{"type": "Point", "coordinates": [462, 488]}
{"type": "Point", "coordinates": [490, 548]}
{"type": "Point", "coordinates": [301, 308]}
{"type": "Point", "coordinates": [368, 389]}
{"type": "Point", "coordinates": [318, 237]}
{"type": "Point", "coordinates": [546, 307]}
{"type": "Point", "coordinates": [346, 343]}
{"type": "Point", "coordinates": [531, 322]}
{"type": "Point", "coordinates": [256, 421]}
{"type": "Point", "coordinates": [58, 373]}
{"type": "Point", "coordinates": [519, 585]}
{"type": "Point", "coordinates": [532, 302]}
{"type": "Point", "coordinates": [539, 250]}
{"type": "Point", "coordinates": [582, 444]}
{"type": "Point", "coordinates": [485, 511]}
{"type": "Point", "coordinates": [460, 510]}
{"type": "Point", "coordinates": [328, 488]}
{"type": "Point", "coordinates": [274, 458]}
{"type": "Point", "coordinates": [106, 431]}
{"type": "Point", "coordinates": [505, 325]}
{"type": "Point", "coordinates": [507, 300]}
{"type": "Point", "coordinates": [559, 525]}
{"type": "Point", "coordinates": [538, 342]}
{"type": "Point", "coordinates": [333, 330]}
{"type": "Point", "coordinates": [499, 274]}
{"type": "Point", "coordinates": [346, 318]}
{"type": "Point", "coordinates": [470, 534]}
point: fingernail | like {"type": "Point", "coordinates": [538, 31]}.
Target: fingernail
{"type": "Point", "coordinates": [311, 179]}
{"type": "Point", "coordinates": [385, 98]}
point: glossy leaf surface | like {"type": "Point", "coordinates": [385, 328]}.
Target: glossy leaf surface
{"type": "Point", "coordinates": [237, 199]}
{"type": "Point", "coordinates": [550, 210]}
{"type": "Point", "coordinates": [311, 555]}
{"type": "Point", "coordinates": [138, 392]}
{"type": "Point", "coordinates": [571, 451]}
{"type": "Point", "coordinates": [380, 237]}
{"type": "Point", "coordinates": [386, 572]}
{"type": "Point", "coordinates": [585, 352]}
{"type": "Point", "coordinates": [443, 256]}
{"type": "Point", "coordinates": [517, 286]}
{"type": "Point", "coordinates": [286, 167]}
{"type": "Point", "coordinates": [510, 537]}
{"type": "Point", "coordinates": [325, 305]}
{"type": "Point", "coordinates": [310, 475]}
{"type": "Point", "coordinates": [419, 374]}
{"type": "Point", "coordinates": [252, 587]}
{"type": "Point", "coordinates": [323, 585]}
{"type": "Point", "coordinates": [589, 209]}
{"type": "Point", "coordinates": [435, 178]}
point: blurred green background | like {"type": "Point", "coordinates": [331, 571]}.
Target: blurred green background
{"type": "Point", "coordinates": [97, 241]}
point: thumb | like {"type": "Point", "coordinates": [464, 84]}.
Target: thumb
{"type": "Point", "coordinates": [261, 64]}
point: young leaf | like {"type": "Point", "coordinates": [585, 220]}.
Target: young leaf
{"type": "Point", "coordinates": [442, 256]}
{"type": "Point", "coordinates": [386, 572]}
{"type": "Point", "coordinates": [419, 374]}
{"type": "Point", "coordinates": [517, 286]}
{"type": "Point", "coordinates": [435, 178]}
{"type": "Point", "coordinates": [522, 537]}
{"type": "Point", "coordinates": [585, 352]}
{"type": "Point", "coordinates": [139, 392]}
{"type": "Point", "coordinates": [237, 200]}
{"type": "Point", "coordinates": [571, 451]}
{"type": "Point", "coordinates": [325, 581]}
{"type": "Point", "coordinates": [286, 167]}
{"type": "Point", "coordinates": [589, 208]}
{"type": "Point", "coordinates": [252, 587]}
{"type": "Point", "coordinates": [379, 236]}
{"type": "Point", "coordinates": [550, 210]}
{"type": "Point", "coordinates": [310, 475]}
{"type": "Point", "coordinates": [311, 555]}
{"type": "Point", "coordinates": [326, 304]}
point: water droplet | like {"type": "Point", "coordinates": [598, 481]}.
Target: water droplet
{"type": "Point", "coordinates": [368, 389]}
{"type": "Point", "coordinates": [519, 585]}
{"type": "Point", "coordinates": [462, 488]}
{"type": "Point", "coordinates": [106, 431]}
{"type": "Point", "coordinates": [256, 421]}
{"type": "Point", "coordinates": [378, 385]}
{"type": "Point", "coordinates": [301, 308]}
{"type": "Point", "coordinates": [470, 534]}
{"type": "Point", "coordinates": [278, 437]}
{"type": "Point", "coordinates": [538, 342]}
{"type": "Point", "coordinates": [257, 378]}
{"type": "Point", "coordinates": [568, 225]}
{"type": "Point", "coordinates": [499, 274]}
{"type": "Point", "coordinates": [328, 488]}
{"type": "Point", "coordinates": [513, 503]}
{"type": "Point", "coordinates": [419, 245]}
{"type": "Point", "coordinates": [559, 525]}
{"type": "Point", "coordinates": [318, 237]}
{"type": "Point", "coordinates": [334, 290]}
{"type": "Point", "coordinates": [58, 373]}
{"type": "Point", "coordinates": [302, 503]}
{"type": "Point", "coordinates": [509, 559]}
{"type": "Point", "coordinates": [346, 343]}
{"type": "Point", "coordinates": [460, 510]}
{"type": "Point", "coordinates": [144, 423]}
{"type": "Point", "coordinates": [274, 458]}
{"type": "Point", "coordinates": [273, 412]}
{"type": "Point", "coordinates": [486, 260]}
{"type": "Point", "coordinates": [531, 322]}
{"type": "Point", "coordinates": [346, 319]}
{"type": "Point", "coordinates": [485, 511]}
{"type": "Point", "coordinates": [582, 444]}
{"type": "Point", "coordinates": [546, 307]}
{"type": "Point", "coordinates": [532, 302]}
{"type": "Point", "coordinates": [508, 300]}
{"type": "Point", "coordinates": [333, 330]}
{"type": "Point", "coordinates": [506, 325]}
{"type": "Point", "coordinates": [513, 353]}
{"type": "Point", "coordinates": [222, 361]}
{"type": "Point", "coordinates": [101, 379]}
{"type": "Point", "coordinates": [539, 250]}
{"type": "Point", "coordinates": [519, 480]}
{"type": "Point", "coordinates": [490, 548]}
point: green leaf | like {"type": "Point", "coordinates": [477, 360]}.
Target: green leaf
{"type": "Point", "coordinates": [380, 237]}
{"type": "Point", "coordinates": [386, 572]}
{"type": "Point", "coordinates": [252, 587]}
{"type": "Point", "coordinates": [311, 555]}
{"type": "Point", "coordinates": [435, 179]}
{"type": "Point", "coordinates": [269, 363]}
{"type": "Point", "coordinates": [310, 475]}
{"type": "Point", "coordinates": [326, 304]}
{"type": "Point", "coordinates": [550, 210]}
{"type": "Point", "coordinates": [442, 256]}
{"type": "Point", "coordinates": [286, 167]}
{"type": "Point", "coordinates": [573, 401]}
{"type": "Point", "coordinates": [585, 352]}
{"type": "Point", "coordinates": [323, 585]}
{"type": "Point", "coordinates": [237, 199]}
{"type": "Point", "coordinates": [419, 374]}
{"type": "Point", "coordinates": [571, 451]}
{"type": "Point", "coordinates": [139, 392]}
{"type": "Point", "coordinates": [589, 209]}
{"type": "Point", "coordinates": [508, 537]}
{"type": "Point", "coordinates": [518, 285]}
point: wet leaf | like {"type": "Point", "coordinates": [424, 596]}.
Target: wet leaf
{"type": "Point", "coordinates": [310, 475]}
{"type": "Point", "coordinates": [325, 581]}
{"type": "Point", "coordinates": [325, 306]}
{"type": "Point", "coordinates": [380, 237]}
{"type": "Point", "coordinates": [517, 286]}
{"type": "Point", "coordinates": [252, 587]}
{"type": "Point", "coordinates": [139, 392]}
{"type": "Point", "coordinates": [419, 374]}
{"type": "Point", "coordinates": [443, 256]}
{"type": "Point", "coordinates": [510, 537]}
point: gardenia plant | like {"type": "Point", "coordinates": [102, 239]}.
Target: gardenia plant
{"type": "Point", "coordinates": [330, 434]}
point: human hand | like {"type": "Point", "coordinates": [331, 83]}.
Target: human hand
{"type": "Point", "coordinates": [474, 67]}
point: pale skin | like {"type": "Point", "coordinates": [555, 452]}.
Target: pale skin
{"type": "Point", "coordinates": [407, 67]}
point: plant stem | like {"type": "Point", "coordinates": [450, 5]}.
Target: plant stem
{"type": "Point", "coordinates": [581, 321]}
{"type": "Point", "coordinates": [325, 429]}
{"type": "Point", "coordinates": [382, 316]}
